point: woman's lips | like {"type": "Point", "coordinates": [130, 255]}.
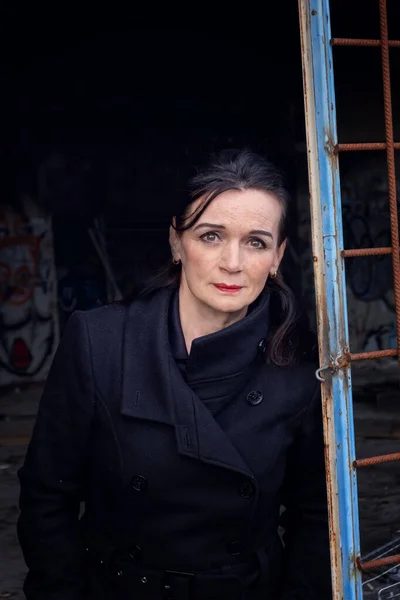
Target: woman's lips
{"type": "Point", "coordinates": [229, 289]}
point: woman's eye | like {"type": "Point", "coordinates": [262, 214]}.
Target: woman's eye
{"type": "Point", "coordinates": [210, 236]}
{"type": "Point", "coordinates": [257, 244]}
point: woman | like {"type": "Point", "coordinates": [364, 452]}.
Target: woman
{"type": "Point", "coordinates": [185, 421]}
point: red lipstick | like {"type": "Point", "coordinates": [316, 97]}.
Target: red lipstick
{"type": "Point", "coordinates": [228, 289]}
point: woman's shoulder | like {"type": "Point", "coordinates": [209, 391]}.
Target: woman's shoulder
{"type": "Point", "coordinates": [101, 332]}
{"type": "Point", "coordinates": [99, 321]}
{"type": "Point", "coordinates": [107, 322]}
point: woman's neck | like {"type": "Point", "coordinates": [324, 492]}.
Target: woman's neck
{"type": "Point", "coordinates": [199, 319]}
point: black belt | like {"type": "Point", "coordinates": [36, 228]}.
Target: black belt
{"type": "Point", "coordinates": [123, 573]}
{"type": "Point", "coordinates": [174, 585]}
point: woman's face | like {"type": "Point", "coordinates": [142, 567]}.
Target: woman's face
{"type": "Point", "coordinates": [231, 250]}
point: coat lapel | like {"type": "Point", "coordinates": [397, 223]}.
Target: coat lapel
{"type": "Point", "coordinates": [145, 368]}
{"type": "Point", "coordinates": [197, 432]}
{"type": "Point", "coordinates": [153, 388]}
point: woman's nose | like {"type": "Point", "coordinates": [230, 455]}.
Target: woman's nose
{"type": "Point", "coordinates": [231, 259]}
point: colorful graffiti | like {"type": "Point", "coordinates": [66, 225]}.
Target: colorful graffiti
{"type": "Point", "coordinates": [28, 314]}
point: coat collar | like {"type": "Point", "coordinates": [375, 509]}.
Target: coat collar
{"type": "Point", "coordinates": [219, 364]}
{"type": "Point", "coordinates": [153, 388]}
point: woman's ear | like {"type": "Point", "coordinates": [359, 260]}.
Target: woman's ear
{"type": "Point", "coordinates": [174, 241]}
{"type": "Point", "coordinates": [280, 253]}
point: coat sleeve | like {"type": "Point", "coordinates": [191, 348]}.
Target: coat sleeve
{"type": "Point", "coordinates": [306, 573]}
{"type": "Point", "coordinates": [53, 473]}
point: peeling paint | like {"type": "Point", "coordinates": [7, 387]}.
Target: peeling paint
{"type": "Point", "coordinates": [330, 285]}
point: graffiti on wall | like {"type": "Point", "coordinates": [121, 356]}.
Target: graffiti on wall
{"type": "Point", "coordinates": [366, 224]}
{"type": "Point", "coordinates": [369, 280]}
{"type": "Point", "coordinates": [28, 314]}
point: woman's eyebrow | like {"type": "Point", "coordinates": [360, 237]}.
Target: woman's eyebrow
{"type": "Point", "coordinates": [212, 225]}
{"type": "Point", "coordinates": [216, 226]}
{"type": "Point", "coordinates": [262, 232]}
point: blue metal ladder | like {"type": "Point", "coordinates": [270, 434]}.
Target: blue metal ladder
{"type": "Point", "coordinates": [330, 285]}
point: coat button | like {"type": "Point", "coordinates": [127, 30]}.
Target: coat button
{"type": "Point", "coordinates": [262, 346]}
{"type": "Point", "coordinates": [139, 483]}
{"type": "Point", "coordinates": [235, 548]}
{"type": "Point", "coordinates": [246, 490]}
{"type": "Point", "coordinates": [255, 397]}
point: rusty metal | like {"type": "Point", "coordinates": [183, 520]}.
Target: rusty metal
{"type": "Point", "coordinates": [379, 562]}
{"type": "Point", "coordinates": [343, 361]}
{"type": "Point", "coordinates": [365, 252]}
{"type": "Point", "coordinates": [364, 146]}
{"type": "Point", "coordinates": [372, 355]}
{"type": "Point", "coordinates": [323, 150]}
{"type": "Point", "coordinates": [394, 222]}
{"type": "Point", "coordinates": [362, 42]}
{"type": "Point", "coordinates": [330, 287]}
{"type": "Point", "coordinates": [376, 460]}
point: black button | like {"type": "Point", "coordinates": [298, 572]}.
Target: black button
{"type": "Point", "coordinates": [255, 397]}
{"type": "Point", "coordinates": [262, 346]}
{"type": "Point", "coordinates": [139, 483]}
{"type": "Point", "coordinates": [235, 548]}
{"type": "Point", "coordinates": [247, 490]}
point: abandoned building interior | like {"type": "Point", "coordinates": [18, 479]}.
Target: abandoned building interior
{"type": "Point", "coordinates": [104, 117]}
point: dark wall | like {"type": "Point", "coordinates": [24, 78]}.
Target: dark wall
{"type": "Point", "coordinates": [132, 102]}
{"type": "Point", "coordinates": [169, 93]}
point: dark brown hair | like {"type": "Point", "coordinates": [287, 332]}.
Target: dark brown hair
{"type": "Point", "coordinates": [242, 170]}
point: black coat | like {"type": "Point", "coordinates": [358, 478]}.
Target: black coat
{"type": "Point", "coordinates": [167, 484]}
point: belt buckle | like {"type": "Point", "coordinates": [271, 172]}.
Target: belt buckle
{"type": "Point", "coordinates": [169, 590]}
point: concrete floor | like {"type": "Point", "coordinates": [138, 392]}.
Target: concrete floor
{"type": "Point", "coordinates": [377, 423]}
